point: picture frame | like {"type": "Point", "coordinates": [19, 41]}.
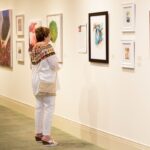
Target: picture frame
{"type": "Point", "coordinates": [128, 54]}
{"type": "Point", "coordinates": [82, 39]}
{"type": "Point", "coordinates": [55, 24]}
{"type": "Point", "coordinates": [98, 37]}
{"type": "Point", "coordinates": [128, 10]}
{"type": "Point", "coordinates": [20, 25]}
{"type": "Point", "coordinates": [20, 51]}
{"type": "Point", "coordinates": [6, 42]}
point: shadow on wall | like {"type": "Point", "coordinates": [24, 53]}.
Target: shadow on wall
{"type": "Point", "coordinates": [88, 110]}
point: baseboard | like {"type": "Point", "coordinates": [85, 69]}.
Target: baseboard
{"type": "Point", "coordinates": [17, 106]}
{"type": "Point", "coordinates": [99, 138]}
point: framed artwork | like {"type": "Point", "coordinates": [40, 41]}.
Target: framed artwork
{"type": "Point", "coordinates": [128, 54]}
{"type": "Point", "coordinates": [55, 24]}
{"type": "Point", "coordinates": [98, 37]}
{"type": "Point", "coordinates": [128, 17]}
{"type": "Point", "coordinates": [82, 38]}
{"type": "Point", "coordinates": [20, 51]}
{"type": "Point", "coordinates": [6, 38]}
{"type": "Point", "coordinates": [32, 38]}
{"type": "Point", "coordinates": [20, 25]}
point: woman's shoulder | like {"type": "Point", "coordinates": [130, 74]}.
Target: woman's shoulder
{"type": "Point", "coordinates": [41, 51]}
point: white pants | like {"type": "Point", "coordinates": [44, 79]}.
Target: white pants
{"type": "Point", "coordinates": [43, 114]}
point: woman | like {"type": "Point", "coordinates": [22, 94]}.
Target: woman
{"type": "Point", "coordinates": [44, 70]}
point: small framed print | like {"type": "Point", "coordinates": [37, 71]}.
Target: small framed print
{"type": "Point", "coordinates": [128, 17]}
{"type": "Point", "coordinates": [20, 25]}
{"type": "Point", "coordinates": [128, 54]}
{"type": "Point", "coordinates": [20, 51]}
{"type": "Point", "coordinates": [99, 37]}
{"type": "Point", "coordinates": [82, 38]}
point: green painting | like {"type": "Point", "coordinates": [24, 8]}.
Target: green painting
{"type": "Point", "coordinates": [53, 31]}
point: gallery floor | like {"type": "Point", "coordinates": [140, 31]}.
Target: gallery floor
{"type": "Point", "coordinates": [17, 132]}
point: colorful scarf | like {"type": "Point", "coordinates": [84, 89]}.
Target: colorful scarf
{"type": "Point", "coordinates": [41, 51]}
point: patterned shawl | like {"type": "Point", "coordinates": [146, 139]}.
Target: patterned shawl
{"type": "Point", "coordinates": [41, 51]}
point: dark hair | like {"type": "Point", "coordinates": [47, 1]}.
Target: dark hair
{"type": "Point", "coordinates": [41, 33]}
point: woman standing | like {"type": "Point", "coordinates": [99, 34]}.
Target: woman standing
{"type": "Point", "coordinates": [44, 74]}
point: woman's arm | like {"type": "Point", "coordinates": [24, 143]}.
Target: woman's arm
{"type": "Point", "coordinates": [53, 62]}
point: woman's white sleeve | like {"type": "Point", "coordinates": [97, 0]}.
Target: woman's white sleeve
{"type": "Point", "coordinates": [53, 62]}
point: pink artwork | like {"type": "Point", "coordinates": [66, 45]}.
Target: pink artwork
{"type": "Point", "coordinates": [32, 39]}
{"type": "Point", "coordinates": [6, 38]}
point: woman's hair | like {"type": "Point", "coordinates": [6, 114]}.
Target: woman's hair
{"type": "Point", "coordinates": [41, 33]}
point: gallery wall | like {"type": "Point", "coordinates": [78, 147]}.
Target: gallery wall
{"type": "Point", "coordinates": [106, 97]}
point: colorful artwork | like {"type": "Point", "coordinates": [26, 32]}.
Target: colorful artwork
{"type": "Point", "coordinates": [98, 37]}
{"type": "Point", "coordinates": [32, 38]}
{"type": "Point", "coordinates": [98, 33]}
{"type": "Point", "coordinates": [6, 38]}
{"type": "Point", "coordinates": [54, 22]}
{"type": "Point", "coordinates": [53, 31]}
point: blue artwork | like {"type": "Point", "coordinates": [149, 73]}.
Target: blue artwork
{"type": "Point", "coordinates": [98, 33]}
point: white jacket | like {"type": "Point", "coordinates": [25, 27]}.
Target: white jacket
{"type": "Point", "coordinates": [45, 70]}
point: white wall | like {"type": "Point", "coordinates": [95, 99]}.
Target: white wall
{"type": "Point", "coordinates": [105, 97]}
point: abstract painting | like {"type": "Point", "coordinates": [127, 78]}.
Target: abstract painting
{"type": "Point", "coordinates": [6, 38]}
